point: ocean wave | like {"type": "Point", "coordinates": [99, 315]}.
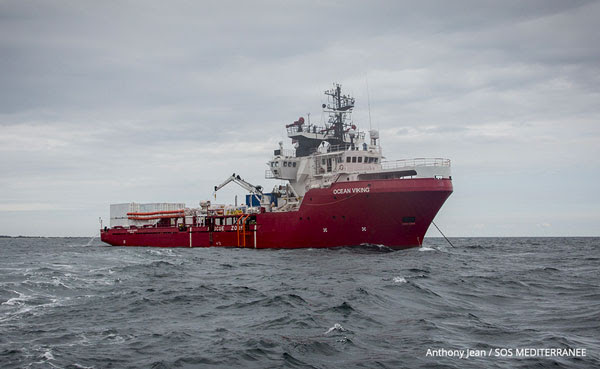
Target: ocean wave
{"type": "Point", "coordinates": [418, 270]}
{"type": "Point", "coordinates": [349, 307]}
{"type": "Point", "coordinates": [289, 300]}
{"type": "Point", "coordinates": [344, 308]}
{"type": "Point", "coordinates": [399, 280]}
{"type": "Point", "coordinates": [336, 327]}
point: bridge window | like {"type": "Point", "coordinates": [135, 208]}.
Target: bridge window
{"type": "Point", "coordinates": [347, 159]}
{"type": "Point", "coordinates": [294, 164]}
{"type": "Point", "coordinates": [354, 159]}
{"type": "Point", "coordinates": [360, 159]}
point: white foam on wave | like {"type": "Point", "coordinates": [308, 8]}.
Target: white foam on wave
{"type": "Point", "coordinates": [14, 301]}
{"type": "Point", "coordinates": [166, 252]}
{"type": "Point", "coordinates": [45, 358]}
{"type": "Point", "coordinates": [336, 327]}
{"type": "Point", "coordinates": [82, 366]}
{"type": "Point", "coordinates": [399, 280]}
{"type": "Point", "coordinates": [114, 338]}
{"type": "Point", "coordinates": [48, 355]}
{"type": "Point", "coordinates": [381, 247]}
{"type": "Point", "coordinates": [59, 283]}
{"type": "Point", "coordinates": [19, 300]}
{"type": "Point", "coordinates": [425, 248]}
{"type": "Point", "coordinates": [37, 283]}
{"type": "Point", "coordinates": [162, 251]}
{"type": "Point", "coordinates": [29, 304]}
{"type": "Point", "coordinates": [102, 270]}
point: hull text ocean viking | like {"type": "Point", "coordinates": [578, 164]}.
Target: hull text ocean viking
{"type": "Point", "coordinates": [342, 191]}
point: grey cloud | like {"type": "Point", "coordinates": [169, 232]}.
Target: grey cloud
{"type": "Point", "coordinates": [105, 102]}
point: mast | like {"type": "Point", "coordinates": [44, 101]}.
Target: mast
{"type": "Point", "coordinates": [340, 111]}
{"type": "Point", "coordinates": [338, 130]}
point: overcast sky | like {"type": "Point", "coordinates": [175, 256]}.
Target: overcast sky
{"type": "Point", "coordinates": [117, 101]}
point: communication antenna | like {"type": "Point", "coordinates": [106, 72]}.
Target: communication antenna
{"type": "Point", "coordinates": [369, 108]}
{"type": "Point", "coordinates": [368, 101]}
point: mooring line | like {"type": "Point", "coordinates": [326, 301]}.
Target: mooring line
{"type": "Point", "coordinates": [438, 228]}
{"type": "Point", "coordinates": [92, 239]}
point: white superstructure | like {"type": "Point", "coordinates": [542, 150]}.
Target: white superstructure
{"type": "Point", "coordinates": [338, 152]}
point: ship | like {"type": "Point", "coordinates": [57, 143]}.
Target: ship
{"type": "Point", "coordinates": [335, 190]}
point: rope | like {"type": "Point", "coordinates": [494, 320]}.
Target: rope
{"type": "Point", "coordinates": [438, 228]}
{"type": "Point", "coordinates": [93, 238]}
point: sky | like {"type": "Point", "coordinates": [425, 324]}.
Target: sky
{"type": "Point", "coordinates": [150, 101]}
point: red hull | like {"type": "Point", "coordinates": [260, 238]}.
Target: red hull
{"type": "Point", "coordinates": [395, 213]}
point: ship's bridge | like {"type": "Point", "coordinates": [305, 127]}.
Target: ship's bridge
{"type": "Point", "coordinates": [323, 160]}
{"type": "Point", "coordinates": [328, 165]}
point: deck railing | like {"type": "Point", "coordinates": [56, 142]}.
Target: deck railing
{"type": "Point", "coordinates": [417, 162]}
{"type": "Point", "coordinates": [337, 148]}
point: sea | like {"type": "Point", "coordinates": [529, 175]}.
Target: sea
{"type": "Point", "coordinates": [478, 303]}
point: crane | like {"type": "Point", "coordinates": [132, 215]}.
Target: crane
{"type": "Point", "coordinates": [254, 190]}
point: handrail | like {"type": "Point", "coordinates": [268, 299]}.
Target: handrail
{"type": "Point", "coordinates": [331, 148]}
{"type": "Point", "coordinates": [179, 215]}
{"type": "Point", "coordinates": [417, 162]}
{"type": "Point", "coordinates": [238, 229]}
{"type": "Point", "coordinates": [136, 213]}
{"type": "Point", "coordinates": [337, 148]}
{"type": "Point", "coordinates": [311, 128]}
{"type": "Point", "coordinates": [244, 225]}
